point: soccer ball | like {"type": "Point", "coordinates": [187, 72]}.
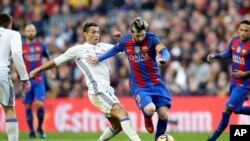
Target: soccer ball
{"type": "Point", "coordinates": [165, 137]}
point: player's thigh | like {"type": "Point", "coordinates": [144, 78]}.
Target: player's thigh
{"type": "Point", "coordinates": [237, 97]}
{"type": "Point", "coordinates": [104, 101]}
{"type": "Point", "coordinates": [7, 94]}
{"type": "Point", "coordinates": [40, 92]}
{"type": "Point", "coordinates": [142, 98]}
{"type": "Point", "coordinates": [162, 98]}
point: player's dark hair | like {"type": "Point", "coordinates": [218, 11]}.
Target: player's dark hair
{"type": "Point", "coordinates": [245, 22]}
{"type": "Point", "coordinates": [138, 24]}
{"type": "Point", "coordinates": [5, 20]}
{"type": "Point", "coordinates": [88, 25]}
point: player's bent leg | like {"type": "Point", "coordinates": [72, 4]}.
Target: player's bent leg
{"type": "Point", "coordinates": [40, 117]}
{"type": "Point", "coordinates": [162, 121]}
{"type": "Point", "coordinates": [112, 131]}
{"type": "Point", "coordinates": [29, 119]}
{"type": "Point", "coordinates": [119, 112]}
{"type": "Point", "coordinates": [148, 112]}
{"type": "Point", "coordinates": [222, 125]}
{"type": "Point", "coordinates": [245, 110]}
{"type": "Point", "coordinates": [11, 123]}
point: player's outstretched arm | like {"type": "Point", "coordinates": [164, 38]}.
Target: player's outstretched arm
{"type": "Point", "coordinates": [93, 59]}
{"type": "Point", "coordinates": [49, 65]}
{"type": "Point", "coordinates": [165, 56]}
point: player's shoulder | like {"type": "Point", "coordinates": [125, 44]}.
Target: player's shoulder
{"type": "Point", "coordinates": [125, 38]}
{"type": "Point", "coordinates": [13, 32]}
{"type": "Point", "coordinates": [235, 38]}
{"type": "Point", "coordinates": [150, 34]}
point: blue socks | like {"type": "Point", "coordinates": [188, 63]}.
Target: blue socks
{"type": "Point", "coordinates": [223, 124]}
{"type": "Point", "coordinates": [244, 110]}
{"type": "Point", "coordinates": [40, 116]}
{"type": "Point", "coordinates": [161, 128]}
{"type": "Point", "coordinates": [29, 118]}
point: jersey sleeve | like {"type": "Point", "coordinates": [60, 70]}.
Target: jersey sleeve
{"type": "Point", "coordinates": [45, 51]}
{"type": "Point", "coordinates": [155, 41]}
{"type": "Point", "coordinates": [16, 51]}
{"type": "Point", "coordinates": [226, 54]}
{"type": "Point", "coordinates": [69, 55]}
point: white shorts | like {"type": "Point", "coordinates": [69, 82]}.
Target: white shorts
{"type": "Point", "coordinates": [104, 100]}
{"type": "Point", "coordinates": [7, 94]}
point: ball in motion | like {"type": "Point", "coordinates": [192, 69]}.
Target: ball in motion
{"type": "Point", "coordinates": [165, 137]}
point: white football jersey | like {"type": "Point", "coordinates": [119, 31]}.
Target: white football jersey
{"type": "Point", "coordinates": [97, 75]}
{"type": "Point", "coordinates": [11, 47]}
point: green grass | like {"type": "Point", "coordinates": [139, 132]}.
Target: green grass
{"type": "Point", "coordinates": [121, 137]}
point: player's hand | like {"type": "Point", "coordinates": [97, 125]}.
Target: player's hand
{"type": "Point", "coordinates": [162, 61]}
{"type": "Point", "coordinates": [32, 74]}
{"type": "Point", "coordinates": [239, 74]}
{"type": "Point", "coordinates": [210, 57]}
{"type": "Point", "coordinates": [92, 59]}
{"type": "Point", "coordinates": [25, 86]}
{"type": "Point", "coordinates": [117, 35]}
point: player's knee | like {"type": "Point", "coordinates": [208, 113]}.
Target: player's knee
{"type": "Point", "coordinates": [28, 106]}
{"type": "Point", "coordinates": [118, 111]}
{"type": "Point", "coordinates": [150, 109]}
{"type": "Point", "coordinates": [39, 104]}
{"type": "Point", "coordinates": [163, 116]}
{"type": "Point", "coordinates": [237, 111]}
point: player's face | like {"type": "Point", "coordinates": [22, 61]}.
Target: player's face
{"type": "Point", "coordinates": [244, 32]}
{"type": "Point", "coordinates": [138, 37]}
{"type": "Point", "coordinates": [30, 32]}
{"type": "Point", "coordinates": [93, 34]}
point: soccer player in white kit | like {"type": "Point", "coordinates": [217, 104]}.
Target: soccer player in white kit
{"type": "Point", "coordinates": [97, 76]}
{"type": "Point", "coordinates": [10, 48]}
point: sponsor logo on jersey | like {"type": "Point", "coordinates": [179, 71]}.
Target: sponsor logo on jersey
{"type": "Point", "coordinates": [238, 59]}
{"type": "Point", "coordinates": [139, 57]}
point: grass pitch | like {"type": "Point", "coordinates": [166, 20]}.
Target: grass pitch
{"type": "Point", "coordinates": [120, 137]}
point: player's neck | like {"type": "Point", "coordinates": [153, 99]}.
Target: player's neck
{"type": "Point", "coordinates": [30, 41]}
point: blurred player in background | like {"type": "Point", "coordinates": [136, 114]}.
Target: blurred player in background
{"type": "Point", "coordinates": [33, 53]}
{"type": "Point", "coordinates": [239, 51]}
{"type": "Point", "coordinates": [146, 84]}
{"type": "Point", "coordinates": [10, 47]}
{"type": "Point", "coordinates": [97, 76]}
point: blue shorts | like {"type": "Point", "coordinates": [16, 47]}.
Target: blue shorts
{"type": "Point", "coordinates": [37, 92]}
{"type": "Point", "coordinates": [237, 97]}
{"type": "Point", "coordinates": [157, 94]}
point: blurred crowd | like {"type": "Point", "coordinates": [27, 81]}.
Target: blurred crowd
{"type": "Point", "coordinates": [190, 29]}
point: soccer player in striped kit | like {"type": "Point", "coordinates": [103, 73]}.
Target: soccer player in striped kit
{"type": "Point", "coordinates": [97, 76]}
{"type": "Point", "coordinates": [10, 48]}
{"type": "Point", "coordinates": [239, 51]}
{"type": "Point", "coordinates": [147, 86]}
{"type": "Point", "coordinates": [33, 53]}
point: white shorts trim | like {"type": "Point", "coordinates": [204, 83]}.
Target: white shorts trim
{"type": "Point", "coordinates": [104, 101]}
{"type": "Point", "coordinates": [7, 94]}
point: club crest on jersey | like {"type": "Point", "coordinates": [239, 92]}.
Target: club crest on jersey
{"type": "Point", "coordinates": [32, 50]}
{"type": "Point", "coordinates": [137, 49]}
{"type": "Point", "coordinates": [238, 49]}
{"type": "Point", "coordinates": [144, 49]}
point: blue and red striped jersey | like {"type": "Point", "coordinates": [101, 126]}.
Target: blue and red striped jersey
{"type": "Point", "coordinates": [142, 59]}
{"type": "Point", "coordinates": [240, 53]}
{"type": "Point", "coordinates": [33, 55]}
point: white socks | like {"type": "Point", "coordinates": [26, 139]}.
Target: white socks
{"type": "Point", "coordinates": [129, 129]}
{"type": "Point", "coordinates": [107, 134]}
{"type": "Point", "coordinates": [12, 129]}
